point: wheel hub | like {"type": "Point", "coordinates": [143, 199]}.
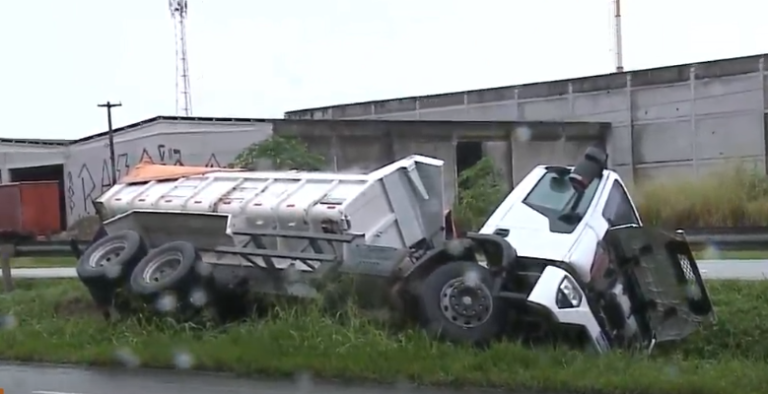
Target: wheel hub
{"type": "Point", "coordinates": [162, 268]}
{"type": "Point", "coordinates": [466, 306]}
{"type": "Point", "coordinates": [108, 254]}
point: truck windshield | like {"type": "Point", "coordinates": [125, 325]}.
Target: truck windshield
{"type": "Point", "coordinates": [553, 196]}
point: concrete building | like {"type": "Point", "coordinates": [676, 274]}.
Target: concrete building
{"type": "Point", "coordinates": [83, 167]}
{"type": "Point", "coordinates": [672, 121]}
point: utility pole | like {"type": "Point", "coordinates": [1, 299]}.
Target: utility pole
{"type": "Point", "coordinates": [617, 36]}
{"type": "Point", "coordinates": [108, 105]}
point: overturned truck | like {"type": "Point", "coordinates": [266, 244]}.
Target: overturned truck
{"type": "Point", "coordinates": [565, 255]}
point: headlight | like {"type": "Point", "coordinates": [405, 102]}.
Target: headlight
{"type": "Point", "coordinates": [568, 294]}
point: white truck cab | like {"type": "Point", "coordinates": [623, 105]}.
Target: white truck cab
{"type": "Point", "coordinates": [583, 258]}
{"type": "Point", "coordinates": [530, 217]}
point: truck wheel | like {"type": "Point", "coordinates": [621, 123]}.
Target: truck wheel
{"type": "Point", "coordinates": [111, 259]}
{"type": "Point", "coordinates": [169, 268]}
{"type": "Point", "coordinates": [455, 304]}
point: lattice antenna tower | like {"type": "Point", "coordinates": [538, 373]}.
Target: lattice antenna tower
{"type": "Point", "coordinates": [183, 90]}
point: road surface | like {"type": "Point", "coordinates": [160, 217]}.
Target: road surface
{"type": "Point", "coordinates": [713, 269]}
{"type": "Point", "coordinates": [45, 379]}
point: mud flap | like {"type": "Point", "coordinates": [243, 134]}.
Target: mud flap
{"type": "Point", "coordinates": [668, 295]}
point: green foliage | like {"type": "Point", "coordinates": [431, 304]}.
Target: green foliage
{"type": "Point", "coordinates": [480, 191]}
{"type": "Point", "coordinates": [285, 153]}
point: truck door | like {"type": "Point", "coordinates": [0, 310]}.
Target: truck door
{"type": "Point", "coordinates": [668, 295]}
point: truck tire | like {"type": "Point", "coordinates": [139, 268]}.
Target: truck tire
{"type": "Point", "coordinates": [169, 268]}
{"type": "Point", "coordinates": [456, 305]}
{"type": "Point", "coordinates": [110, 260]}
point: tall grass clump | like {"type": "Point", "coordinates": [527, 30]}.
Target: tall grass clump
{"type": "Point", "coordinates": [732, 197]}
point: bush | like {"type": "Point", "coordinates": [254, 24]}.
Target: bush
{"type": "Point", "coordinates": [284, 153]}
{"type": "Point", "coordinates": [727, 198]}
{"type": "Point", "coordinates": [480, 190]}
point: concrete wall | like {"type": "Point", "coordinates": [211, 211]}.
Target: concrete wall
{"type": "Point", "coordinates": [365, 145]}
{"type": "Point", "coordinates": [87, 166]}
{"type": "Point", "coordinates": [672, 121]}
{"type": "Point", "coordinates": [15, 155]}
{"type": "Point", "coordinates": [348, 145]}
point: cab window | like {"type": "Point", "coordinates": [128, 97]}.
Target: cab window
{"type": "Point", "coordinates": [619, 210]}
{"type": "Point", "coordinates": [553, 196]}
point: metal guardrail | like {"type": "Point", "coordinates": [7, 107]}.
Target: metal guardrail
{"type": "Point", "coordinates": [737, 238]}
{"type": "Point", "coordinates": [47, 248]}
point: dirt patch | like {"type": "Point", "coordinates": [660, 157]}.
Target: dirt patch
{"type": "Point", "coordinates": [76, 306]}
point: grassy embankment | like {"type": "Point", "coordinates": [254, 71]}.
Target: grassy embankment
{"type": "Point", "coordinates": [55, 322]}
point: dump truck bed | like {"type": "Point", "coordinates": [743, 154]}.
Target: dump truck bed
{"type": "Point", "coordinates": [395, 206]}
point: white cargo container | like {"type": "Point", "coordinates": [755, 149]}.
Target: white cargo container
{"type": "Point", "coordinates": [396, 206]}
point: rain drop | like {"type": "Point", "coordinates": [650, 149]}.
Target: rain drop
{"type": "Point", "coordinates": [198, 297]}
{"type": "Point", "coordinates": [8, 322]}
{"type": "Point", "coordinates": [167, 302]}
{"type": "Point", "coordinates": [127, 357]}
{"type": "Point", "coordinates": [711, 252]}
{"type": "Point", "coordinates": [523, 134]}
{"type": "Point", "coordinates": [183, 360]}
{"type": "Point", "coordinates": [304, 382]}
{"type": "Point", "coordinates": [203, 268]}
{"type": "Point", "coordinates": [472, 278]}
{"type": "Point", "coordinates": [113, 270]}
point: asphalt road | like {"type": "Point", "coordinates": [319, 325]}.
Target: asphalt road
{"type": "Point", "coordinates": [714, 269]}
{"type": "Point", "coordinates": [43, 379]}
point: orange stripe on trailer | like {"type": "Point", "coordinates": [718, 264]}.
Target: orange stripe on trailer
{"type": "Point", "coordinates": [146, 171]}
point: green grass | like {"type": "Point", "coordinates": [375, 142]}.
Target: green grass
{"type": "Point", "coordinates": [43, 262]}
{"type": "Point", "coordinates": [55, 323]}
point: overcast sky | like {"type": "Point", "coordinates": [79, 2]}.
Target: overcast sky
{"type": "Point", "coordinates": [262, 58]}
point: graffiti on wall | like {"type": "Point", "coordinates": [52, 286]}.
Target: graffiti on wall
{"type": "Point", "coordinates": [86, 182]}
{"type": "Point", "coordinates": [88, 169]}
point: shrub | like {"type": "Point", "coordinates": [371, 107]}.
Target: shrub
{"type": "Point", "coordinates": [480, 190]}
{"type": "Point", "coordinates": [284, 153]}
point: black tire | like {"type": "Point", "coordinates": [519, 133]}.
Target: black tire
{"type": "Point", "coordinates": [110, 260]}
{"type": "Point", "coordinates": [182, 258]}
{"type": "Point", "coordinates": [440, 326]}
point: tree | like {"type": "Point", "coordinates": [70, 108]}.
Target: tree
{"type": "Point", "coordinates": [285, 153]}
{"type": "Point", "coordinates": [479, 192]}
